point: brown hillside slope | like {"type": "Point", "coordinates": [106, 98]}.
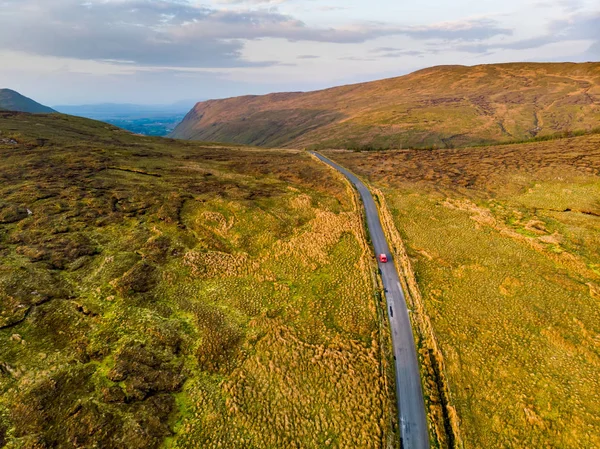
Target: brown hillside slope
{"type": "Point", "coordinates": [442, 106]}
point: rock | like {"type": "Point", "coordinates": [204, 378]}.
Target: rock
{"type": "Point", "coordinates": [9, 141]}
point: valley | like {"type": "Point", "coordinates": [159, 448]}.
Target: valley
{"type": "Point", "coordinates": [147, 120]}
{"type": "Point", "coordinates": [199, 290]}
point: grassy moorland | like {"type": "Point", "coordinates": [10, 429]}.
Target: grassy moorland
{"type": "Point", "coordinates": [156, 293]}
{"type": "Point", "coordinates": [443, 107]}
{"type": "Point", "coordinates": [505, 246]}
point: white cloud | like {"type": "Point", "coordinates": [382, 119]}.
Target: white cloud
{"type": "Point", "coordinates": [127, 48]}
{"type": "Point", "coordinates": [178, 33]}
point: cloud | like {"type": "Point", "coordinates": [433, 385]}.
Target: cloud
{"type": "Point", "coordinates": [332, 8]}
{"type": "Point", "coordinates": [577, 27]}
{"type": "Point", "coordinates": [355, 58]}
{"type": "Point", "coordinates": [268, 24]}
{"type": "Point", "coordinates": [399, 54]}
{"type": "Point", "coordinates": [251, 2]}
{"type": "Point", "coordinates": [147, 86]}
{"type": "Point", "coordinates": [178, 33]}
{"type": "Point", "coordinates": [571, 5]}
{"type": "Point", "coordinates": [393, 52]}
{"type": "Point", "coordinates": [465, 30]}
{"type": "Point", "coordinates": [142, 31]}
{"type": "Point", "coordinates": [593, 53]}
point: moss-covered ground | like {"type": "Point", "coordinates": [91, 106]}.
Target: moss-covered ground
{"type": "Point", "coordinates": [158, 293]}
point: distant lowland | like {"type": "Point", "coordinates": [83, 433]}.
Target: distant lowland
{"type": "Point", "coordinates": [150, 120]}
{"type": "Point", "coordinates": [438, 107]}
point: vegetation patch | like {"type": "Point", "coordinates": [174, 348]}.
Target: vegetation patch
{"type": "Point", "coordinates": [158, 293]}
{"type": "Point", "coordinates": [507, 265]}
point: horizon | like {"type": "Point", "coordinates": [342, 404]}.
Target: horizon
{"type": "Point", "coordinates": [195, 101]}
{"type": "Point", "coordinates": [181, 50]}
{"type": "Point", "coordinates": [176, 102]}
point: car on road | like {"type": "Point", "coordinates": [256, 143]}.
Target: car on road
{"type": "Point", "coordinates": [383, 258]}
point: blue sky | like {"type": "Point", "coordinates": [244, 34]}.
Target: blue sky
{"type": "Point", "coordinates": [161, 51]}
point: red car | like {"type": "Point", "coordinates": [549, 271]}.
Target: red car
{"type": "Point", "coordinates": [383, 258]}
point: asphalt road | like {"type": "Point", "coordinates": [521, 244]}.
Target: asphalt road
{"type": "Point", "coordinates": [411, 407]}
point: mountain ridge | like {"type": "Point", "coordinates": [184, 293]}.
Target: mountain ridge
{"type": "Point", "coordinates": [11, 100]}
{"type": "Point", "coordinates": [430, 107]}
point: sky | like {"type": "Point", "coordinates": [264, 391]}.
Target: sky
{"type": "Point", "coordinates": [162, 51]}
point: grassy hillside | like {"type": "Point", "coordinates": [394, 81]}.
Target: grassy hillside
{"type": "Point", "coordinates": [445, 106]}
{"type": "Point", "coordinates": [156, 293]}
{"type": "Point", "coordinates": [14, 101]}
{"type": "Point", "coordinates": [505, 243]}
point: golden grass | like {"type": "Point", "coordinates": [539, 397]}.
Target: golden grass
{"type": "Point", "coordinates": [505, 249]}
{"type": "Point", "coordinates": [308, 372]}
{"type": "Point", "coordinates": [442, 414]}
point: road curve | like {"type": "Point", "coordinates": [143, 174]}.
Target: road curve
{"type": "Point", "coordinates": [411, 407]}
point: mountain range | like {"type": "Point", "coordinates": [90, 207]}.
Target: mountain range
{"type": "Point", "coordinates": [444, 106]}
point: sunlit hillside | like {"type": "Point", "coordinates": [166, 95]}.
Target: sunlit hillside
{"type": "Point", "coordinates": [444, 107]}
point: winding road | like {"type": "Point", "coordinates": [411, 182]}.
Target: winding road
{"type": "Point", "coordinates": [411, 406]}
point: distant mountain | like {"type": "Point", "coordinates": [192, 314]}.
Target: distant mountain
{"type": "Point", "coordinates": [14, 101]}
{"type": "Point", "coordinates": [442, 106]}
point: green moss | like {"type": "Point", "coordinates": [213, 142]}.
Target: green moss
{"type": "Point", "coordinates": [141, 276]}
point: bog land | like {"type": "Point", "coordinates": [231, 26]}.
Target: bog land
{"type": "Point", "coordinates": [156, 293]}
{"type": "Point", "coordinates": [505, 246]}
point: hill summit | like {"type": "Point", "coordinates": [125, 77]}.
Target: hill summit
{"type": "Point", "coordinates": [443, 106]}
{"type": "Point", "coordinates": [14, 101]}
